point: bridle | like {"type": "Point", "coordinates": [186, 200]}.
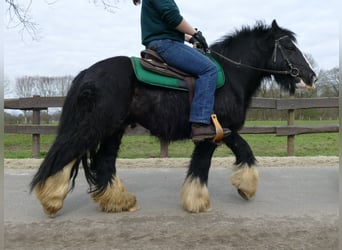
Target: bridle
{"type": "Point", "coordinates": [293, 71]}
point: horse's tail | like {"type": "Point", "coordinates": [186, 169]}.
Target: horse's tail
{"type": "Point", "coordinates": [77, 132]}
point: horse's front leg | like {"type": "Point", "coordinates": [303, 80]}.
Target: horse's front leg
{"type": "Point", "coordinates": [246, 177]}
{"type": "Point", "coordinates": [194, 194]}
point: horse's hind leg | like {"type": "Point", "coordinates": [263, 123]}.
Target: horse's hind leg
{"type": "Point", "coordinates": [246, 177]}
{"type": "Point", "coordinates": [109, 192]}
{"type": "Point", "coordinates": [51, 182]}
{"type": "Point", "coordinates": [194, 194]}
{"type": "Point", "coordinates": [53, 191]}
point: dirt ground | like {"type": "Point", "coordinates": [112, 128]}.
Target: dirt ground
{"type": "Point", "coordinates": [184, 162]}
{"type": "Point", "coordinates": [177, 231]}
{"type": "Point", "coordinates": [174, 232]}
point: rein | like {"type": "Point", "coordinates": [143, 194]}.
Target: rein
{"type": "Point", "coordinates": [294, 72]}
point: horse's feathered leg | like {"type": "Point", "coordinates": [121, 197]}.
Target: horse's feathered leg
{"type": "Point", "coordinates": [108, 190]}
{"type": "Point", "coordinates": [79, 132]}
{"type": "Point", "coordinates": [52, 192]}
{"type": "Point", "coordinates": [96, 108]}
{"type": "Point", "coordinates": [246, 177]}
{"type": "Point", "coordinates": [194, 194]}
{"type": "Point", "coordinates": [51, 182]}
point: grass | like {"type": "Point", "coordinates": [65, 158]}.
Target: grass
{"type": "Point", "coordinates": [20, 145]}
{"type": "Point", "coordinates": [325, 144]}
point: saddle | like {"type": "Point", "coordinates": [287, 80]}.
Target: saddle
{"type": "Point", "coordinates": [150, 60]}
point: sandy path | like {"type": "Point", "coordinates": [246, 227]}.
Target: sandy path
{"type": "Point", "coordinates": [183, 162]}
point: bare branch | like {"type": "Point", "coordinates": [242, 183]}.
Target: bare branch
{"type": "Point", "coordinates": [109, 5]}
{"type": "Point", "coordinates": [19, 17]}
{"type": "Point", "coordinates": [51, 2]}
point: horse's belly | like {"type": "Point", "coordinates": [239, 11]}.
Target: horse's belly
{"type": "Point", "coordinates": [164, 113]}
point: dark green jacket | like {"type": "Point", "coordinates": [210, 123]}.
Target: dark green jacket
{"type": "Point", "coordinates": [159, 19]}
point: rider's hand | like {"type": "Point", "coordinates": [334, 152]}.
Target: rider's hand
{"type": "Point", "coordinates": [199, 41]}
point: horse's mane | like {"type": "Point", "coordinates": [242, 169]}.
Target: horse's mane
{"type": "Point", "coordinates": [260, 29]}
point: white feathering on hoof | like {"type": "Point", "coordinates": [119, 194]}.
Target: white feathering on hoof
{"type": "Point", "coordinates": [116, 198]}
{"type": "Point", "coordinates": [53, 191]}
{"type": "Point", "coordinates": [246, 180]}
{"type": "Point", "coordinates": [195, 196]}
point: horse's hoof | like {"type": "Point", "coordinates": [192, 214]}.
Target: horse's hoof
{"type": "Point", "coordinates": [127, 203]}
{"type": "Point", "coordinates": [243, 194]}
{"type": "Point", "coordinates": [116, 198]}
{"type": "Point", "coordinates": [134, 209]}
{"type": "Point", "coordinates": [51, 212]}
{"type": "Point", "coordinates": [195, 196]}
{"type": "Point", "coordinates": [51, 204]}
{"type": "Point", "coordinates": [53, 191]}
{"type": "Point", "coordinates": [246, 181]}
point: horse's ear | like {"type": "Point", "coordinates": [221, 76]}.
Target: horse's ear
{"type": "Point", "coordinates": [275, 25]}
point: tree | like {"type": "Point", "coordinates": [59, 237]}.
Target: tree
{"type": "Point", "coordinates": [24, 86]}
{"type": "Point", "coordinates": [7, 87]}
{"type": "Point", "coordinates": [328, 82]}
{"type": "Point", "coordinates": [18, 15]}
{"type": "Point", "coordinates": [28, 86]}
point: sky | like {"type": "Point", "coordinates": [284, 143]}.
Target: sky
{"type": "Point", "coordinates": [75, 34]}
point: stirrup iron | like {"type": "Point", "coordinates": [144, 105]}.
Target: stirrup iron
{"type": "Point", "coordinates": [219, 131]}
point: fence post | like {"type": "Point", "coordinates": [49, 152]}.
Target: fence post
{"type": "Point", "coordinates": [291, 138]}
{"type": "Point", "coordinates": [164, 148]}
{"type": "Point", "coordinates": [36, 137]}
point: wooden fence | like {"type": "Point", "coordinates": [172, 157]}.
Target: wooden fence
{"type": "Point", "coordinates": [37, 104]}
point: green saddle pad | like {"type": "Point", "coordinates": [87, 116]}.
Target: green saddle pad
{"type": "Point", "coordinates": [156, 79]}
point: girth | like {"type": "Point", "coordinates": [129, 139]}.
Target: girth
{"type": "Point", "coordinates": [151, 61]}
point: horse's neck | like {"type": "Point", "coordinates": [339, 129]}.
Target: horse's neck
{"type": "Point", "coordinates": [249, 80]}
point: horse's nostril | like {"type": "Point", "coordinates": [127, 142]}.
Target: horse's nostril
{"type": "Point", "coordinates": [313, 79]}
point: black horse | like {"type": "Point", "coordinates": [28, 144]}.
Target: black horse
{"type": "Point", "coordinates": [107, 97]}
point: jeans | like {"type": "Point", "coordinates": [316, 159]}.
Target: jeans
{"type": "Point", "coordinates": [181, 56]}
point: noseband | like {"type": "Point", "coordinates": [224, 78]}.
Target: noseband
{"type": "Point", "coordinates": [294, 72]}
